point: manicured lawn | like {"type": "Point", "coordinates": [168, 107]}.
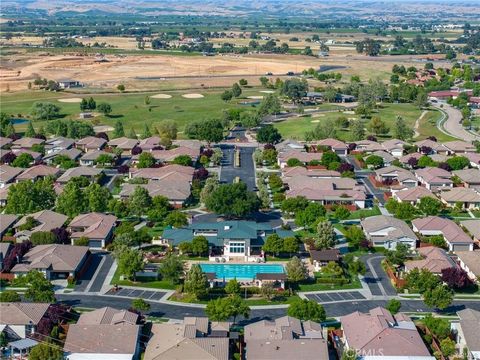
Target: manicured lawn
{"type": "Point", "coordinates": [129, 108]}
{"type": "Point", "coordinates": [428, 127]}
{"type": "Point", "coordinates": [297, 127]}
{"type": "Point", "coordinates": [142, 282]}
{"type": "Point", "coordinates": [363, 213]}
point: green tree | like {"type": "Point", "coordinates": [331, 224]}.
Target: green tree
{"type": "Point", "coordinates": [296, 270]}
{"type": "Point", "coordinates": [129, 262]}
{"type": "Point", "coordinates": [326, 237]}
{"type": "Point", "coordinates": [267, 290]}
{"type": "Point", "coordinates": [294, 204]}
{"type": "Point", "coordinates": [398, 256]}
{"type": "Point", "coordinates": [374, 161]}
{"type": "Point", "coordinates": [196, 282]}
{"type": "Point", "coordinates": [310, 215]}
{"type": "Point", "coordinates": [71, 201]}
{"type": "Point", "coordinates": [448, 347]}
{"type": "Point", "coordinates": [104, 108]}
{"type": "Point", "coordinates": [139, 201]}
{"type": "Point", "coordinates": [199, 245]}
{"type": "Point", "coordinates": [295, 89]}
{"type": "Point", "coordinates": [421, 280]}
{"type": "Point", "coordinates": [232, 200]}
{"type": "Point", "coordinates": [132, 134]}
{"type": "Point", "coordinates": [23, 160]}
{"type": "Point", "coordinates": [171, 268]}
{"type": "Point", "coordinates": [97, 197]}
{"type": "Point", "coordinates": [269, 105]}
{"type": "Point", "coordinates": [184, 160]}
{"type": "Point", "coordinates": [43, 238]}
{"type": "Point", "coordinates": [293, 162]}
{"type": "Point", "coordinates": [227, 95]}
{"type": "Point", "coordinates": [304, 309]}
{"type": "Point", "coordinates": [401, 130]}
{"type": "Point", "coordinates": [145, 160]}
{"type": "Point", "coordinates": [273, 244]}
{"type": "Point", "coordinates": [439, 297]}
{"type": "Point", "coordinates": [45, 111]}
{"type": "Point", "coordinates": [140, 305]}
{"type": "Point", "coordinates": [393, 306]}
{"type": "Point", "coordinates": [9, 296]}
{"type": "Point", "coordinates": [243, 82]}
{"type": "Point", "coordinates": [30, 132]}
{"type": "Point", "coordinates": [118, 130]}
{"type": "Point", "coordinates": [233, 287]}
{"type": "Point", "coordinates": [290, 245]}
{"type": "Point", "coordinates": [121, 87]}
{"type": "Point", "coordinates": [176, 219]}
{"type": "Point", "coordinates": [223, 309]}
{"type": "Point", "coordinates": [167, 129]}
{"type": "Point", "coordinates": [45, 350]}
{"type": "Point", "coordinates": [28, 197]}
{"type": "Point", "coordinates": [378, 126]}
{"type": "Point", "coordinates": [342, 213]}
{"type": "Point", "coordinates": [104, 160]}
{"type": "Point", "coordinates": [268, 135]}
{"type": "Point", "coordinates": [426, 161]}
{"type": "Point", "coordinates": [146, 132]}
{"type": "Point", "coordinates": [458, 162]}
{"type": "Point", "coordinates": [429, 206]}
{"type": "Point", "coordinates": [357, 130]}
{"type": "Point", "coordinates": [236, 90]}
{"type": "Point", "coordinates": [39, 288]}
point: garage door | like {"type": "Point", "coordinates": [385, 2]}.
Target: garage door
{"type": "Point", "coordinates": [96, 244]}
{"type": "Point", "coordinates": [459, 247]}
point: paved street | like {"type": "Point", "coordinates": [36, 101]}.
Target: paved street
{"type": "Point", "coordinates": [137, 293]}
{"type": "Point", "coordinates": [376, 278]}
{"type": "Point", "coordinates": [246, 170]}
{"type": "Point", "coordinates": [453, 124]}
{"type": "Point", "coordinates": [95, 277]}
{"type": "Point", "coordinates": [328, 297]}
{"type": "Point", "coordinates": [85, 278]}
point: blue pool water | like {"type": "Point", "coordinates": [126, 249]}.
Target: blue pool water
{"type": "Point", "coordinates": [241, 271]}
{"type": "Point", "coordinates": [18, 121]}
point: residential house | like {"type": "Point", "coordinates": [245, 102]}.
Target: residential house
{"type": "Point", "coordinates": [433, 259]}
{"type": "Point", "coordinates": [149, 144]}
{"type": "Point", "coordinates": [434, 179]}
{"type": "Point", "coordinates": [4, 194]}
{"type": "Point", "coordinates": [429, 147]}
{"type": "Point", "coordinates": [285, 338]}
{"type": "Point", "coordinates": [336, 191]}
{"type": "Point", "coordinates": [90, 173]}
{"type": "Point", "coordinates": [104, 334]}
{"type": "Point", "coordinates": [179, 171]}
{"type": "Point", "coordinates": [195, 338]}
{"type": "Point", "coordinates": [394, 147]}
{"type": "Point", "coordinates": [5, 248]}
{"type": "Point", "coordinates": [396, 176]}
{"type": "Point", "coordinates": [96, 227]}
{"type": "Point", "coordinates": [474, 159]}
{"type": "Point", "coordinates": [388, 232]}
{"type": "Point", "coordinates": [38, 172]}
{"type": "Point", "coordinates": [123, 143]}
{"type": "Point", "coordinates": [379, 334]}
{"type": "Point", "coordinates": [168, 156]}
{"type": "Point", "coordinates": [176, 191]}
{"type": "Point", "coordinates": [6, 222]}
{"type": "Point", "coordinates": [44, 220]}
{"type": "Point", "coordinates": [54, 260]}
{"type": "Point", "coordinates": [232, 239]}
{"type": "Point", "coordinates": [302, 156]}
{"type": "Point", "coordinates": [26, 143]}
{"type": "Point", "coordinates": [91, 143]}
{"type": "Point", "coordinates": [58, 144]}
{"type": "Point", "coordinates": [337, 146]}
{"type": "Point", "coordinates": [289, 144]}
{"type": "Point", "coordinates": [320, 258]}
{"type": "Point", "coordinates": [470, 262]}
{"type": "Point", "coordinates": [466, 197]}
{"type": "Point", "coordinates": [412, 195]}
{"type": "Point", "coordinates": [387, 157]}
{"type": "Point", "coordinates": [310, 171]}
{"type": "Point", "coordinates": [4, 141]}
{"type": "Point", "coordinates": [73, 154]}
{"type": "Point", "coordinates": [90, 157]}
{"type": "Point", "coordinates": [36, 156]}
{"type": "Point", "coordinates": [405, 160]}
{"type": "Point", "coordinates": [189, 143]}
{"type": "Point", "coordinates": [368, 146]}
{"type": "Point", "coordinates": [473, 227]}
{"type": "Point", "coordinates": [466, 331]}
{"type": "Point", "coordinates": [68, 83]}
{"type": "Point", "coordinates": [469, 177]}
{"type": "Point", "coordinates": [460, 147]}
{"type": "Point", "coordinates": [453, 235]}
{"type": "Point", "coordinates": [8, 174]}
{"type": "Point", "coordinates": [20, 320]}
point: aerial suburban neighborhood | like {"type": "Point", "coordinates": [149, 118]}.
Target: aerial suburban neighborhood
{"type": "Point", "coordinates": [240, 181]}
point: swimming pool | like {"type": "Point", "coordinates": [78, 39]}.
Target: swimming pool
{"type": "Point", "coordinates": [241, 271]}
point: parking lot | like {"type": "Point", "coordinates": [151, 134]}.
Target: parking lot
{"type": "Point", "coordinates": [136, 293]}
{"type": "Point", "coordinates": [336, 296]}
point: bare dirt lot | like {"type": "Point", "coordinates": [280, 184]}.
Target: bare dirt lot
{"type": "Point", "coordinates": [138, 72]}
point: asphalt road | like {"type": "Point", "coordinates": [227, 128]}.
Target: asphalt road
{"type": "Point", "coordinates": [246, 170]}
{"type": "Point", "coordinates": [376, 278]}
{"type": "Point", "coordinates": [453, 124]}
{"type": "Point", "coordinates": [96, 286]}
{"type": "Point", "coordinates": [179, 311]}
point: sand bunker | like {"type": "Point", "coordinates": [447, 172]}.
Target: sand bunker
{"type": "Point", "coordinates": [267, 91]}
{"type": "Point", "coordinates": [71, 100]}
{"type": "Point", "coordinates": [161, 96]}
{"type": "Point", "coordinates": [102, 128]}
{"type": "Point", "coordinates": [315, 121]}
{"type": "Point", "coordinates": [255, 97]}
{"type": "Point", "coordinates": [192, 96]}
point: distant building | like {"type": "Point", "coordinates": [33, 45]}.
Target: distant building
{"type": "Point", "coordinates": [69, 83]}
